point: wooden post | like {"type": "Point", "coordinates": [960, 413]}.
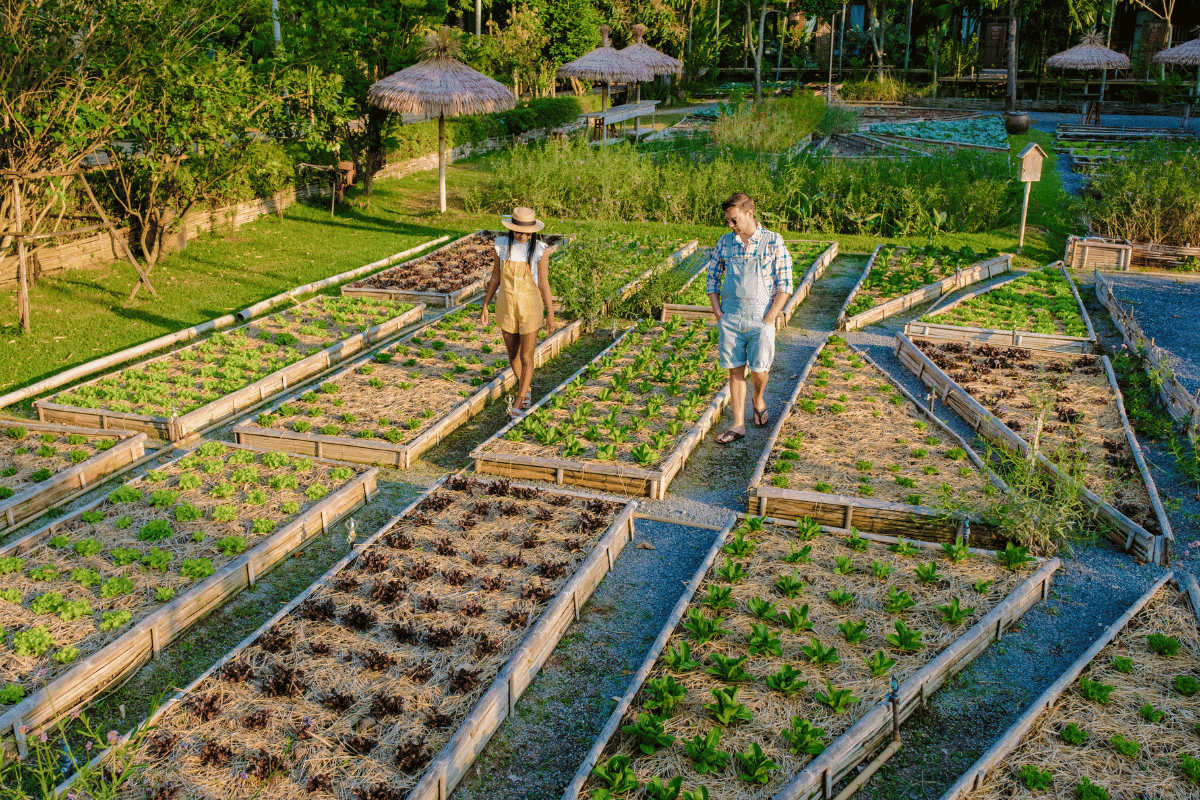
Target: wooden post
{"type": "Point", "coordinates": [1024, 212]}
{"type": "Point", "coordinates": [442, 161]}
{"type": "Point", "coordinates": [22, 277]}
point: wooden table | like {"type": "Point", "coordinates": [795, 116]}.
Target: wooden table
{"type": "Point", "coordinates": [621, 113]}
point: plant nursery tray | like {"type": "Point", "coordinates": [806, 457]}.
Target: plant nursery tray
{"type": "Point", "coordinates": [442, 278]}
{"type": "Point", "coordinates": [1105, 444]}
{"type": "Point", "coordinates": [562, 279]}
{"type": "Point", "coordinates": [209, 394]}
{"type": "Point", "coordinates": [1003, 300]}
{"type": "Point", "coordinates": [388, 675]}
{"type": "Point", "coordinates": [1133, 709]}
{"type": "Point", "coordinates": [869, 460]}
{"type": "Point", "coordinates": [649, 395]}
{"type": "Point", "coordinates": [111, 585]}
{"type": "Point", "coordinates": [872, 302]}
{"type": "Point", "coordinates": [825, 253]}
{"type": "Point", "coordinates": [382, 389]}
{"type": "Point", "coordinates": [1180, 403]}
{"type": "Point", "coordinates": [959, 608]}
{"type": "Point", "coordinates": [73, 458]}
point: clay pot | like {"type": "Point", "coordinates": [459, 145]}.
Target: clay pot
{"type": "Point", "coordinates": [1016, 122]}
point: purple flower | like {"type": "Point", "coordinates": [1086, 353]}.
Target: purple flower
{"type": "Point", "coordinates": [112, 737]}
{"type": "Point", "coordinates": [42, 737]}
{"type": "Point", "coordinates": [88, 747]}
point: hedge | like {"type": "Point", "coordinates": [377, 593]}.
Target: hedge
{"type": "Point", "coordinates": [420, 138]}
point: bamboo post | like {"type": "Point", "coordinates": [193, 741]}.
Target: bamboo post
{"type": "Point", "coordinates": [442, 161]}
{"type": "Point", "coordinates": [22, 277]}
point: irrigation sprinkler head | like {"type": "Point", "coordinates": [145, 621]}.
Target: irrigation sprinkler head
{"type": "Point", "coordinates": [966, 532]}
{"type": "Point", "coordinates": [929, 398]}
{"type": "Point", "coordinates": [351, 525]}
{"type": "Point", "coordinates": [508, 402]}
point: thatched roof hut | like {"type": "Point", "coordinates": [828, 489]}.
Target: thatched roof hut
{"type": "Point", "coordinates": [440, 85]}
{"type": "Point", "coordinates": [606, 64]}
{"type": "Point", "coordinates": [1089, 54]}
{"type": "Point", "coordinates": [659, 63]}
{"type": "Point", "coordinates": [1185, 55]}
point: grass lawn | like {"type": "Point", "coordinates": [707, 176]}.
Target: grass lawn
{"type": "Point", "coordinates": [81, 315]}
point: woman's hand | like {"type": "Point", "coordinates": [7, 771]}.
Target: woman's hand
{"type": "Point", "coordinates": [483, 315]}
{"type": "Point", "coordinates": [550, 323]}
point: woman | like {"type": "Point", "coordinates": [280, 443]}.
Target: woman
{"type": "Point", "coordinates": [521, 272]}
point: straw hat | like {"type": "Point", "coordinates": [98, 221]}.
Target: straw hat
{"type": "Point", "coordinates": [523, 220]}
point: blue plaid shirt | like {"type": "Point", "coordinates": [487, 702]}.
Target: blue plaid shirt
{"type": "Point", "coordinates": [765, 245]}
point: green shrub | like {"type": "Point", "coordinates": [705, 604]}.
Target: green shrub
{"type": "Point", "coordinates": [1150, 195]}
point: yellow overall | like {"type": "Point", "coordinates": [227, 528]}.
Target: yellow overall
{"type": "Point", "coordinates": [519, 305]}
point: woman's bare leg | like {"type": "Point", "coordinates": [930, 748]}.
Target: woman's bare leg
{"type": "Point", "coordinates": [528, 346]}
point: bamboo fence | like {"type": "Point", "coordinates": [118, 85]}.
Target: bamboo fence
{"type": "Point", "coordinates": [813, 274]}
{"type": "Point", "coordinates": [145, 640]}
{"type": "Point", "coordinates": [70, 483]}
{"type": "Point", "coordinates": [618, 478]}
{"type": "Point", "coordinates": [1123, 531]}
{"type": "Point", "coordinates": [450, 765]}
{"type": "Point", "coordinates": [879, 517]}
{"type": "Point", "coordinates": [1182, 405]}
{"type": "Point", "coordinates": [1097, 252]}
{"type": "Point", "coordinates": [842, 755]}
{"type": "Point", "coordinates": [964, 277]}
{"type": "Point", "coordinates": [931, 331]}
{"type": "Point", "coordinates": [177, 427]}
{"type": "Point", "coordinates": [997, 754]}
{"type": "Point", "coordinates": [401, 456]}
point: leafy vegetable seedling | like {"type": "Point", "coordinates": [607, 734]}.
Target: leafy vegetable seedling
{"type": "Point", "coordinates": [703, 752]}
{"type": "Point", "coordinates": [728, 668]}
{"type": "Point", "coordinates": [1073, 734]}
{"type": "Point", "coordinates": [1035, 779]}
{"type": "Point", "coordinates": [786, 681]}
{"type": "Point", "coordinates": [838, 700]}
{"type": "Point", "coordinates": [804, 737]}
{"type": "Point", "coordinates": [755, 767]}
{"type": "Point", "coordinates": [1095, 691]}
{"type": "Point", "coordinates": [725, 708]}
{"type": "Point", "coordinates": [648, 733]}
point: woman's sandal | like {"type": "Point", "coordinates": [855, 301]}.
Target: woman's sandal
{"type": "Point", "coordinates": [729, 437]}
{"type": "Point", "coordinates": [761, 418]}
{"type": "Point", "coordinates": [527, 401]}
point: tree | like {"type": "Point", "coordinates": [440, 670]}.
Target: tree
{"type": "Point", "coordinates": [362, 41]}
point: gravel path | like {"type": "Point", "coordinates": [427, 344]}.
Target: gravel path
{"type": "Point", "coordinates": [1165, 307]}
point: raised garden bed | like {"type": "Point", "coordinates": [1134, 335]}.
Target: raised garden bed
{"type": "Point", "coordinates": [985, 133]}
{"type": "Point", "coordinates": [394, 405]}
{"type": "Point", "coordinates": [595, 272]}
{"type": "Point", "coordinates": [1040, 310]}
{"type": "Point", "coordinates": [1082, 432]}
{"type": "Point", "coordinates": [388, 675]}
{"type": "Point", "coordinates": [43, 465]}
{"type": "Point", "coordinates": [1122, 719]}
{"type": "Point", "coordinates": [770, 677]}
{"type": "Point", "coordinates": [898, 278]}
{"type": "Point", "coordinates": [1180, 403]}
{"type": "Point", "coordinates": [692, 300]}
{"type": "Point", "coordinates": [95, 595]}
{"type": "Point", "coordinates": [193, 387]}
{"type": "Point", "coordinates": [852, 447]}
{"type": "Point", "coordinates": [626, 422]}
{"type": "Point", "coordinates": [445, 277]}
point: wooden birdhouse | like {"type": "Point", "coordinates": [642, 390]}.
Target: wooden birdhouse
{"type": "Point", "coordinates": [1031, 162]}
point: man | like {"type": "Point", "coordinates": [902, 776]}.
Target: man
{"type": "Point", "coordinates": [749, 279]}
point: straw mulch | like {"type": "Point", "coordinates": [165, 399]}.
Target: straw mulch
{"type": "Point", "coordinates": [1082, 431]}
{"type": "Point", "coordinates": [192, 376]}
{"type": "Point", "coordinates": [405, 390]}
{"type": "Point", "coordinates": [24, 453]}
{"type": "Point", "coordinates": [390, 655]}
{"type": "Point", "coordinates": [774, 712]}
{"type": "Point", "coordinates": [1089, 54]}
{"type": "Point", "coordinates": [78, 577]}
{"type": "Point", "coordinates": [665, 363]}
{"type": "Point", "coordinates": [1155, 770]}
{"type": "Point", "coordinates": [851, 432]}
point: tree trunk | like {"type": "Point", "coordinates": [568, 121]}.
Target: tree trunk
{"type": "Point", "coordinates": [937, 55]}
{"type": "Point", "coordinates": [746, 39]}
{"type": "Point", "coordinates": [717, 38]}
{"type": "Point", "coordinates": [478, 18]}
{"type": "Point", "coordinates": [758, 51]}
{"type": "Point", "coordinates": [876, 37]}
{"type": "Point", "coordinates": [908, 40]}
{"type": "Point", "coordinates": [1011, 102]}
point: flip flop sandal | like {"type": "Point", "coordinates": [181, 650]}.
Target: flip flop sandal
{"type": "Point", "coordinates": [527, 401]}
{"type": "Point", "coordinates": [761, 418]}
{"type": "Point", "coordinates": [729, 437]}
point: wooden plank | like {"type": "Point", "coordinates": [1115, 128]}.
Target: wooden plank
{"type": "Point", "coordinates": [973, 274]}
{"type": "Point", "coordinates": [999, 751]}
{"type": "Point", "coordinates": [176, 428]}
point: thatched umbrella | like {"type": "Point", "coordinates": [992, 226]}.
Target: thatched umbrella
{"type": "Point", "coordinates": [606, 64]}
{"type": "Point", "coordinates": [1186, 54]}
{"type": "Point", "coordinates": [659, 63]}
{"type": "Point", "coordinates": [1089, 54]}
{"type": "Point", "coordinates": [440, 84]}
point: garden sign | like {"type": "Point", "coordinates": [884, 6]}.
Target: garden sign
{"type": "Point", "coordinates": [1029, 171]}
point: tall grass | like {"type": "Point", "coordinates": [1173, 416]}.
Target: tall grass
{"type": "Point", "coordinates": [889, 90]}
{"type": "Point", "coordinates": [773, 126]}
{"type": "Point", "coordinates": [811, 192]}
{"type": "Point", "coordinates": [1152, 195]}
